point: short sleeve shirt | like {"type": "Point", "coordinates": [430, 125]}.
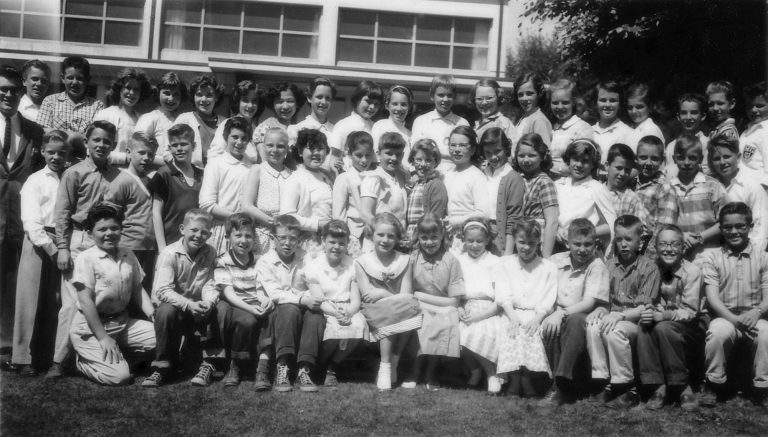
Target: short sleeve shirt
{"type": "Point", "coordinates": [574, 284]}
{"type": "Point", "coordinates": [439, 277]}
{"type": "Point", "coordinates": [112, 280]}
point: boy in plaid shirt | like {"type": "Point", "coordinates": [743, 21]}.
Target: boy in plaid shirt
{"type": "Point", "coordinates": [657, 195]}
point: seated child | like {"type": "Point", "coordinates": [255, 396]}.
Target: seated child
{"type": "Point", "coordinates": [297, 323]}
{"type": "Point", "coordinates": [582, 283]}
{"type": "Point", "coordinates": [243, 308]}
{"type": "Point", "coordinates": [438, 285]}
{"type": "Point", "coordinates": [612, 329]}
{"type": "Point", "coordinates": [671, 333]}
{"type": "Point", "coordinates": [384, 276]}
{"type": "Point", "coordinates": [656, 194]}
{"type": "Point", "coordinates": [108, 279]}
{"type": "Point", "coordinates": [528, 296]}
{"type": "Point", "coordinates": [182, 304]}
{"type": "Point", "coordinates": [479, 313]}
{"type": "Point", "coordinates": [738, 304]}
{"type": "Point", "coordinates": [331, 278]}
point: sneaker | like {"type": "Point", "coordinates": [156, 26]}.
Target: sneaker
{"type": "Point", "coordinates": [282, 384]}
{"type": "Point", "coordinates": [262, 381]}
{"type": "Point", "coordinates": [656, 402]}
{"type": "Point", "coordinates": [408, 384]}
{"type": "Point", "coordinates": [494, 385]}
{"type": "Point", "coordinates": [203, 377]}
{"type": "Point", "coordinates": [625, 401]}
{"type": "Point", "coordinates": [707, 397]}
{"type": "Point", "coordinates": [305, 381]}
{"type": "Point", "coordinates": [54, 372]}
{"type": "Point", "coordinates": [330, 379]}
{"type": "Point", "coordinates": [153, 380]}
{"type": "Point", "coordinates": [689, 403]}
{"type": "Point", "coordinates": [232, 379]}
{"type": "Point", "coordinates": [384, 379]}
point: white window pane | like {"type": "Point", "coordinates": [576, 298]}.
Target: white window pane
{"type": "Point", "coordinates": [14, 5]}
{"type": "Point", "coordinates": [50, 7]}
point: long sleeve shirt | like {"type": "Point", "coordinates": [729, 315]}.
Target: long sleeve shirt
{"type": "Point", "coordinates": [223, 182]}
{"type": "Point", "coordinates": [38, 200]}
{"type": "Point", "coordinates": [180, 278]}
{"type": "Point", "coordinates": [280, 281]}
{"type": "Point", "coordinates": [633, 285]}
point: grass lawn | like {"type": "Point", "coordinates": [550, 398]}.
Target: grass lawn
{"type": "Point", "coordinates": [74, 406]}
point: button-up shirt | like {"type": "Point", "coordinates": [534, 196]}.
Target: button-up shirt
{"type": "Point", "coordinates": [742, 277]}
{"type": "Point", "coordinates": [633, 285]}
{"type": "Point", "coordinates": [279, 280]}
{"type": "Point", "coordinates": [574, 284]}
{"type": "Point", "coordinates": [112, 281]}
{"type": "Point", "coordinates": [58, 111]}
{"type": "Point", "coordinates": [38, 199]}
{"type": "Point", "coordinates": [437, 128]}
{"type": "Point", "coordinates": [181, 277]}
{"type": "Point", "coordinates": [680, 290]}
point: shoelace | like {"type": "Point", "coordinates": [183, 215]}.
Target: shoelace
{"type": "Point", "coordinates": [304, 378]}
{"type": "Point", "coordinates": [282, 373]}
{"type": "Point", "coordinates": [205, 371]}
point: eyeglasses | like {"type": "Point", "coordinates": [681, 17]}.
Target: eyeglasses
{"type": "Point", "coordinates": [741, 227]}
{"type": "Point", "coordinates": [16, 90]}
{"type": "Point", "coordinates": [676, 245]}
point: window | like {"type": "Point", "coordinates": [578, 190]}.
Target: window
{"type": "Point", "coordinates": [113, 22]}
{"type": "Point", "coordinates": [413, 40]}
{"type": "Point", "coordinates": [249, 28]}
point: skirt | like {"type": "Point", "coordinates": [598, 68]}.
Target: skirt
{"type": "Point", "coordinates": [263, 241]}
{"type": "Point", "coordinates": [439, 332]}
{"type": "Point", "coordinates": [480, 337]}
{"type": "Point", "coordinates": [518, 349]}
{"type": "Point", "coordinates": [358, 328]}
{"type": "Point", "coordinates": [218, 238]}
{"type": "Point", "coordinates": [392, 315]}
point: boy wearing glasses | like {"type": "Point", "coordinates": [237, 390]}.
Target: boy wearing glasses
{"type": "Point", "coordinates": [736, 285]}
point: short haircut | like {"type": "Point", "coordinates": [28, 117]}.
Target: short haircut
{"type": "Point", "coordinates": [239, 123]}
{"type": "Point", "coordinates": [496, 135]}
{"type": "Point", "coordinates": [720, 86]}
{"type": "Point", "coordinates": [112, 97]}
{"type": "Point", "coordinates": [182, 131]}
{"type": "Point", "coordinates": [56, 135]}
{"type": "Point", "coordinates": [238, 221]}
{"type": "Point", "coordinates": [629, 221]}
{"type": "Point", "coordinates": [489, 83]}
{"type": "Point", "coordinates": [336, 229]}
{"type": "Point", "coordinates": [203, 81]}
{"type": "Point", "coordinates": [11, 74]}
{"type": "Point", "coordinates": [358, 139]}
{"type": "Point", "coordinates": [732, 144]}
{"type": "Point", "coordinates": [143, 139]}
{"type": "Point", "coordinates": [611, 86]}
{"type": "Point", "coordinates": [277, 89]}
{"type": "Point", "coordinates": [311, 139]}
{"type": "Point", "coordinates": [241, 90]}
{"type": "Point", "coordinates": [444, 81]}
{"type": "Point", "coordinates": [103, 125]}
{"type": "Point", "coordinates": [78, 63]}
{"type": "Point", "coordinates": [428, 147]}
{"type": "Point", "coordinates": [287, 222]}
{"type": "Point", "coordinates": [736, 208]}
{"type": "Point", "coordinates": [581, 149]}
{"type": "Point", "coordinates": [276, 130]}
{"type": "Point", "coordinates": [756, 90]}
{"type": "Point", "coordinates": [673, 228]}
{"type": "Point", "coordinates": [392, 141]}
{"type": "Point", "coordinates": [103, 211]}
{"type": "Point", "coordinates": [581, 227]}
{"type": "Point", "coordinates": [198, 215]}
{"type": "Point", "coordinates": [530, 228]}
{"type": "Point", "coordinates": [35, 63]}
{"type": "Point", "coordinates": [400, 89]}
{"type": "Point", "coordinates": [641, 90]}
{"type": "Point", "coordinates": [171, 80]}
{"type": "Point", "coordinates": [687, 142]}
{"type": "Point", "coordinates": [369, 89]}
{"type": "Point", "coordinates": [652, 140]}
{"type": "Point", "coordinates": [321, 81]}
{"type": "Point", "coordinates": [621, 151]}
{"type": "Point", "coordinates": [387, 218]}
{"type": "Point", "coordinates": [534, 141]}
{"type": "Point", "coordinates": [693, 97]}
{"type": "Point", "coordinates": [477, 154]}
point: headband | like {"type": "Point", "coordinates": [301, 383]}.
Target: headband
{"type": "Point", "coordinates": [475, 223]}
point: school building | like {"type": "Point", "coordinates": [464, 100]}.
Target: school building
{"type": "Point", "coordinates": [392, 41]}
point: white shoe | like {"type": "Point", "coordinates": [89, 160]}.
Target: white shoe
{"type": "Point", "coordinates": [494, 384]}
{"type": "Point", "coordinates": [384, 380]}
{"type": "Point", "coordinates": [408, 384]}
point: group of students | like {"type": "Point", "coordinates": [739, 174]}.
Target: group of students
{"type": "Point", "coordinates": [290, 244]}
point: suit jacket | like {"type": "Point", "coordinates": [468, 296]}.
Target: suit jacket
{"type": "Point", "coordinates": [29, 160]}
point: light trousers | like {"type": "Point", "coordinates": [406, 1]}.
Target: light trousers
{"type": "Point", "coordinates": [611, 352]}
{"type": "Point", "coordinates": [721, 337]}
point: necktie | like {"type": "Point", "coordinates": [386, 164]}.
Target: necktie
{"type": "Point", "coordinates": [7, 137]}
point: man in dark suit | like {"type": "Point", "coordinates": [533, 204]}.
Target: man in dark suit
{"type": "Point", "coordinates": [21, 140]}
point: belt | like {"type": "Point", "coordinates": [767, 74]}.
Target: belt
{"type": "Point", "coordinates": [49, 229]}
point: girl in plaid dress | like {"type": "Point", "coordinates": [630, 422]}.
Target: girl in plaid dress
{"type": "Point", "coordinates": [479, 313]}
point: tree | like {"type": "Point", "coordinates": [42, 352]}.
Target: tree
{"type": "Point", "coordinates": [541, 55]}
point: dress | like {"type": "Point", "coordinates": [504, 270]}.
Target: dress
{"type": "Point", "coordinates": [531, 290]}
{"type": "Point", "coordinates": [439, 332]}
{"type": "Point", "coordinates": [337, 284]}
{"type": "Point", "coordinates": [394, 314]}
{"type": "Point", "coordinates": [480, 337]}
{"type": "Point", "coordinates": [271, 186]}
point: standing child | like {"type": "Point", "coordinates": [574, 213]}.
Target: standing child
{"type": "Point", "coordinates": [497, 150]}
{"type": "Point", "coordinates": [736, 284]}
{"type": "Point", "coordinates": [609, 129]}
{"type": "Point", "coordinates": [346, 188]}
{"type": "Point", "coordinates": [528, 296]}
{"type": "Point", "coordinates": [438, 285]}
{"type": "Point", "coordinates": [691, 113]}
{"type": "Point", "coordinates": [721, 100]}
{"type": "Point", "coordinates": [108, 279]}
{"type": "Point", "coordinates": [485, 97]}
{"type": "Point", "coordinates": [398, 103]}
{"type": "Point", "coordinates": [243, 308]}
{"type": "Point", "coordinates": [656, 194]}
{"type": "Point", "coordinates": [754, 140]}
{"type": "Point", "coordinates": [383, 189]}
{"type": "Point", "coordinates": [320, 95]}
{"type": "Point", "coordinates": [82, 186]}
{"type": "Point", "coordinates": [506, 188]}
{"type": "Point", "coordinates": [247, 102]}
{"type": "Point", "coordinates": [285, 99]}
{"type": "Point", "coordinates": [367, 100]}
{"type": "Point", "coordinates": [38, 276]}
{"type": "Point", "coordinates": [533, 161]}
{"type": "Point", "coordinates": [384, 276]}
{"type": "Point", "coordinates": [531, 96]}
{"type": "Point", "coordinates": [170, 93]}
{"type": "Point", "coordinates": [699, 198]}
{"type": "Point", "coordinates": [428, 192]}
{"type": "Point", "coordinates": [223, 180]}
{"type": "Point", "coordinates": [183, 305]}
{"type": "Point", "coordinates": [612, 329]}
{"type": "Point", "coordinates": [36, 75]}
{"type": "Point", "coordinates": [176, 186]}
{"type": "Point", "coordinates": [206, 93]}
{"type": "Point", "coordinates": [331, 278]}
{"type": "Point", "coordinates": [620, 164]}
{"type": "Point", "coordinates": [438, 124]}
{"type": "Point", "coordinates": [639, 108]}
{"type": "Point", "coordinates": [481, 323]}
{"type": "Point", "coordinates": [130, 193]}
{"type": "Point", "coordinates": [567, 126]}
{"type": "Point", "coordinates": [128, 89]}
{"type": "Point", "coordinates": [671, 334]}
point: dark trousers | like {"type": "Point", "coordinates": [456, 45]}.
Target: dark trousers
{"type": "Point", "coordinates": [568, 353]}
{"type": "Point", "coordinates": [239, 331]}
{"type": "Point", "coordinates": [297, 331]}
{"type": "Point", "coordinates": [171, 323]}
{"type": "Point", "coordinates": [667, 350]}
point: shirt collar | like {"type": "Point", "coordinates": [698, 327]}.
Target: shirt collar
{"type": "Point", "coordinates": [273, 258]}
{"type": "Point", "coordinates": [567, 264]}
{"type": "Point", "coordinates": [657, 179]}
{"type": "Point", "coordinates": [746, 252]}
{"type": "Point", "coordinates": [175, 171]}
{"type": "Point", "coordinates": [615, 125]}
{"type": "Point", "coordinates": [617, 263]}
{"type": "Point", "coordinates": [180, 248]}
{"type": "Point", "coordinates": [102, 254]}
{"type": "Point", "coordinates": [274, 172]}
{"type": "Point", "coordinates": [500, 172]}
{"type": "Point", "coordinates": [436, 116]}
{"type": "Point", "coordinates": [570, 122]}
